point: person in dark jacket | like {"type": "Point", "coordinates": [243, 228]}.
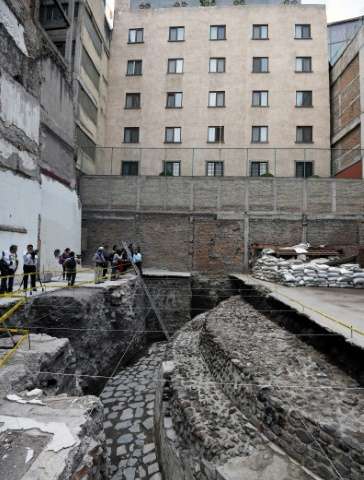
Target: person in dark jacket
{"type": "Point", "coordinates": [62, 259]}
{"type": "Point", "coordinates": [70, 266]}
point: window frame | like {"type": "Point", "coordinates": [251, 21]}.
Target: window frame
{"type": "Point", "coordinates": [216, 92]}
{"type": "Point", "coordinates": [136, 30]}
{"type": "Point", "coordinates": [215, 163]}
{"type": "Point", "coordinates": [128, 162]}
{"type": "Point", "coordinates": [253, 163]}
{"type": "Point", "coordinates": [304, 141]}
{"type": "Point", "coordinates": [128, 95]}
{"type": "Point", "coordinates": [260, 26]}
{"type": "Point", "coordinates": [169, 95]}
{"type": "Point", "coordinates": [166, 135]}
{"type": "Point", "coordinates": [304, 162]}
{"type": "Point", "coordinates": [304, 92]}
{"type": "Point", "coordinates": [254, 64]}
{"type": "Point", "coordinates": [173, 163]}
{"type": "Point", "coordinates": [175, 60]}
{"type": "Point", "coordinates": [176, 28]}
{"type": "Point", "coordinates": [302, 25]}
{"type": "Point", "coordinates": [221, 135]}
{"type": "Point", "coordinates": [260, 135]}
{"type": "Point", "coordinates": [134, 74]}
{"type": "Point", "coordinates": [304, 71]}
{"type": "Point", "coordinates": [217, 63]}
{"type": "Point", "coordinates": [217, 39]}
{"type": "Point", "coordinates": [260, 98]}
{"type": "Point", "coordinates": [134, 130]}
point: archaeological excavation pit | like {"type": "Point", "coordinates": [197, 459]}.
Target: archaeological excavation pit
{"type": "Point", "coordinates": [245, 389]}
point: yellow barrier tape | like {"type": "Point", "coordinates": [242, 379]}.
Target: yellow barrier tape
{"type": "Point", "coordinates": [11, 310]}
{"type": "Point", "coordinates": [333, 319]}
{"type": "Point", "coordinates": [11, 352]}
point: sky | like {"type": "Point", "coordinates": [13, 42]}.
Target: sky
{"type": "Point", "coordinates": [341, 9]}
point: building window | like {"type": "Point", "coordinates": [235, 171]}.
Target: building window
{"type": "Point", "coordinates": [216, 99]}
{"type": "Point", "coordinates": [172, 169]}
{"type": "Point", "coordinates": [303, 32]}
{"type": "Point", "coordinates": [257, 169]}
{"type": "Point", "coordinates": [131, 135]}
{"type": "Point", "coordinates": [217, 65]}
{"type": "Point", "coordinates": [218, 32]}
{"type": "Point", "coordinates": [134, 67]}
{"type": "Point", "coordinates": [90, 68]}
{"type": "Point", "coordinates": [215, 135]}
{"type": "Point", "coordinates": [304, 98]}
{"type": "Point", "coordinates": [260, 64]}
{"type": "Point", "coordinates": [260, 32]}
{"type": "Point", "coordinates": [87, 105]}
{"type": "Point", "coordinates": [260, 134]}
{"type": "Point", "coordinates": [215, 169]}
{"type": "Point", "coordinates": [260, 98]}
{"type": "Point", "coordinates": [176, 34]}
{"type": "Point", "coordinates": [304, 169]}
{"type": "Point", "coordinates": [136, 35]}
{"type": "Point", "coordinates": [173, 135]}
{"type": "Point", "coordinates": [175, 65]}
{"type": "Point", "coordinates": [129, 169]}
{"type": "Point", "coordinates": [91, 29]}
{"type": "Point", "coordinates": [303, 64]}
{"type": "Point", "coordinates": [174, 100]}
{"type": "Point", "coordinates": [132, 101]}
{"type": "Point", "coordinates": [304, 135]}
{"type": "Point", "coordinates": [85, 143]}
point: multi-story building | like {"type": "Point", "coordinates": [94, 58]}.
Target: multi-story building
{"type": "Point", "coordinates": [85, 47]}
{"type": "Point", "coordinates": [347, 109]}
{"type": "Point", "coordinates": [228, 88]}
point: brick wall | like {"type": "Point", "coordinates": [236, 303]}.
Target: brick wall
{"type": "Point", "coordinates": [208, 225]}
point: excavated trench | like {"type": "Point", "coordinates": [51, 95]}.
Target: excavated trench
{"type": "Point", "coordinates": [113, 326]}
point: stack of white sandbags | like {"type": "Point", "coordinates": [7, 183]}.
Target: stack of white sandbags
{"type": "Point", "coordinates": [298, 272]}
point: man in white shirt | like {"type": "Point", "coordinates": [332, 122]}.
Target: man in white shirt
{"type": "Point", "coordinates": [8, 265]}
{"type": "Point", "coordinates": [30, 259]}
{"type": "Point", "coordinates": [137, 260]}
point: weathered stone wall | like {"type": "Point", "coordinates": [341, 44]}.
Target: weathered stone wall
{"type": "Point", "coordinates": [208, 225]}
{"type": "Point", "coordinates": [102, 323]}
{"type": "Point", "coordinates": [285, 388]}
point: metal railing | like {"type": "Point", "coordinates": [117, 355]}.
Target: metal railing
{"type": "Point", "coordinates": [216, 161]}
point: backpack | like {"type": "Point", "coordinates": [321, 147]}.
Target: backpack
{"type": "Point", "coordinates": [70, 263]}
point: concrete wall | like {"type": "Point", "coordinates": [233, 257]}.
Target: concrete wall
{"type": "Point", "coordinates": [347, 106]}
{"type": "Point", "coordinates": [209, 224]}
{"type": "Point", "coordinates": [37, 171]}
{"type": "Point", "coordinates": [238, 82]}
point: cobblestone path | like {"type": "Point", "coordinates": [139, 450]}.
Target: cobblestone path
{"type": "Point", "coordinates": [129, 410]}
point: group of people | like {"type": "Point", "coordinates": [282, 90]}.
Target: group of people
{"type": "Point", "coordinates": [9, 263]}
{"type": "Point", "coordinates": [119, 259]}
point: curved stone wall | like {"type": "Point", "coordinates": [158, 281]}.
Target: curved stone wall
{"type": "Point", "coordinates": [240, 397]}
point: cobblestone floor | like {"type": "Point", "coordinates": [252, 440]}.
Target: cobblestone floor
{"type": "Point", "coordinates": [129, 410]}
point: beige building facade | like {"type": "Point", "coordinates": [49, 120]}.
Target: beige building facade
{"type": "Point", "coordinates": [232, 90]}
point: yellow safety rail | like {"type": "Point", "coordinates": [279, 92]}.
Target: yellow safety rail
{"type": "Point", "coordinates": [11, 310]}
{"type": "Point", "coordinates": [19, 342]}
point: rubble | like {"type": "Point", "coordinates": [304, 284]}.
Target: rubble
{"type": "Point", "coordinates": [297, 272]}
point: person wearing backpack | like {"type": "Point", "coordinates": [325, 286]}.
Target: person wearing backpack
{"type": "Point", "coordinates": [70, 268]}
{"type": "Point", "coordinates": [8, 266]}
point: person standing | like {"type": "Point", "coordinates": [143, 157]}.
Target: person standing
{"type": "Point", "coordinates": [137, 260]}
{"type": "Point", "coordinates": [62, 258]}
{"type": "Point", "coordinates": [30, 259]}
{"type": "Point", "coordinates": [70, 265]}
{"type": "Point", "coordinates": [8, 266]}
{"type": "Point", "coordinates": [100, 263]}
